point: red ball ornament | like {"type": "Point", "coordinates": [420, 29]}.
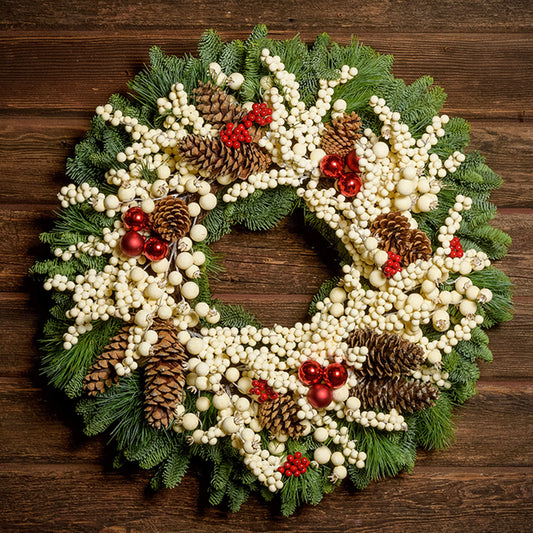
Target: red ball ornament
{"type": "Point", "coordinates": [335, 375]}
{"type": "Point", "coordinates": [132, 244]}
{"type": "Point", "coordinates": [332, 166]}
{"type": "Point", "coordinates": [135, 218]}
{"type": "Point", "coordinates": [310, 372]}
{"type": "Point", "coordinates": [320, 395]}
{"type": "Point", "coordinates": [352, 161]}
{"type": "Point", "coordinates": [349, 184]}
{"type": "Point", "coordinates": [155, 249]}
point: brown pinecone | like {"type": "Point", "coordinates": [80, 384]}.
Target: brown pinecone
{"type": "Point", "coordinates": [406, 396]}
{"type": "Point", "coordinates": [341, 134]}
{"type": "Point", "coordinates": [418, 248]}
{"type": "Point", "coordinates": [171, 218]}
{"type": "Point", "coordinates": [163, 374]}
{"type": "Point", "coordinates": [214, 156]}
{"type": "Point", "coordinates": [217, 106]}
{"type": "Point", "coordinates": [387, 354]}
{"type": "Point", "coordinates": [102, 372]}
{"type": "Point", "coordinates": [395, 235]}
{"type": "Point", "coordinates": [279, 416]}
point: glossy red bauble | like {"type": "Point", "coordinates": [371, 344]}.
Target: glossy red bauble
{"type": "Point", "coordinates": [332, 166]}
{"type": "Point", "coordinates": [335, 375]}
{"type": "Point", "coordinates": [310, 372]}
{"type": "Point", "coordinates": [155, 249]}
{"type": "Point", "coordinates": [349, 184]}
{"type": "Point", "coordinates": [352, 161]}
{"type": "Point", "coordinates": [320, 395]}
{"type": "Point", "coordinates": [132, 244]}
{"type": "Point", "coordinates": [135, 218]}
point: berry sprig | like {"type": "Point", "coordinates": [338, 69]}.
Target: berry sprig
{"type": "Point", "coordinates": [392, 266]}
{"type": "Point", "coordinates": [294, 465]}
{"type": "Point", "coordinates": [260, 114]}
{"type": "Point", "coordinates": [262, 391]}
{"type": "Point", "coordinates": [457, 249]}
{"type": "Point", "coordinates": [234, 135]}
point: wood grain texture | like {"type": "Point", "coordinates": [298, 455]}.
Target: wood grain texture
{"type": "Point", "coordinates": [58, 61]}
{"type": "Point", "coordinates": [48, 75]}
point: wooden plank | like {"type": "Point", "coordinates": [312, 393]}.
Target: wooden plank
{"type": "Point", "coordinates": [82, 498]}
{"type": "Point", "coordinates": [61, 74]}
{"type": "Point", "coordinates": [51, 433]}
{"type": "Point", "coordinates": [44, 143]}
{"type": "Point", "coordinates": [316, 16]}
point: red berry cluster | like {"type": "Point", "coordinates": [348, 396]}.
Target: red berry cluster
{"type": "Point", "coordinates": [260, 114]}
{"type": "Point", "coordinates": [294, 465]}
{"type": "Point", "coordinates": [392, 266]}
{"type": "Point", "coordinates": [262, 390]}
{"type": "Point", "coordinates": [233, 136]}
{"type": "Point", "coordinates": [457, 249]}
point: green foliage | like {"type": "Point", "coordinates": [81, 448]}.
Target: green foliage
{"type": "Point", "coordinates": [323, 293]}
{"type": "Point", "coordinates": [65, 369]}
{"type": "Point", "coordinates": [433, 426]}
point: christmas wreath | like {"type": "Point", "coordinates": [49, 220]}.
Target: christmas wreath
{"type": "Point", "coordinates": [248, 133]}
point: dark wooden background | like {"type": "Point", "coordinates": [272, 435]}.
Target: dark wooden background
{"type": "Point", "coordinates": [59, 60]}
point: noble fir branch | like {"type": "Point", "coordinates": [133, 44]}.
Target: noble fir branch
{"type": "Point", "coordinates": [65, 369]}
{"type": "Point", "coordinates": [434, 428]}
{"type": "Point", "coordinates": [323, 293]}
{"type": "Point", "coordinates": [209, 47]}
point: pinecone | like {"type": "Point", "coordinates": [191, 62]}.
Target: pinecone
{"type": "Point", "coordinates": [171, 218]}
{"type": "Point", "coordinates": [102, 373]}
{"type": "Point", "coordinates": [341, 134]}
{"type": "Point", "coordinates": [387, 354]}
{"type": "Point", "coordinates": [213, 155]}
{"type": "Point", "coordinates": [406, 396]}
{"type": "Point", "coordinates": [217, 106]}
{"type": "Point", "coordinates": [395, 235]}
{"type": "Point", "coordinates": [419, 247]}
{"type": "Point", "coordinates": [279, 416]}
{"type": "Point", "coordinates": [164, 379]}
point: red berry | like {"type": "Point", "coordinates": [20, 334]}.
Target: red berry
{"type": "Point", "coordinates": [255, 383]}
{"type": "Point", "coordinates": [263, 397]}
{"type": "Point", "coordinates": [294, 468]}
{"type": "Point", "coordinates": [229, 126]}
{"type": "Point", "coordinates": [297, 473]}
{"type": "Point", "coordinates": [261, 384]}
{"type": "Point", "coordinates": [395, 265]}
{"type": "Point", "coordinates": [387, 271]}
{"type": "Point", "coordinates": [255, 108]}
{"type": "Point", "coordinates": [268, 120]}
{"type": "Point", "coordinates": [298, 455]}
{"type": "Point", "coordinates": [303, 470]}
{"type": "Point", "coordinates": [281, 469]}
{"type": "Point", "coordinates": [248, 123]}
{"type": "Point", "coordinates": [305, 461]}
{"type": "Point", "coordinates": [236, 144]}
{"type": "Point", "coordinates": [269, 111]}
{"type": "Point", "coordinates": [274, 396]}
{"type": "Point", "coordinates": [290, 458]}
{"type": "Point", "coordinates": [262, 106]}
{"type": "Point", "coordinates": [288, 473]}
{"type": "Point", "coordinates": [286, 464]}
